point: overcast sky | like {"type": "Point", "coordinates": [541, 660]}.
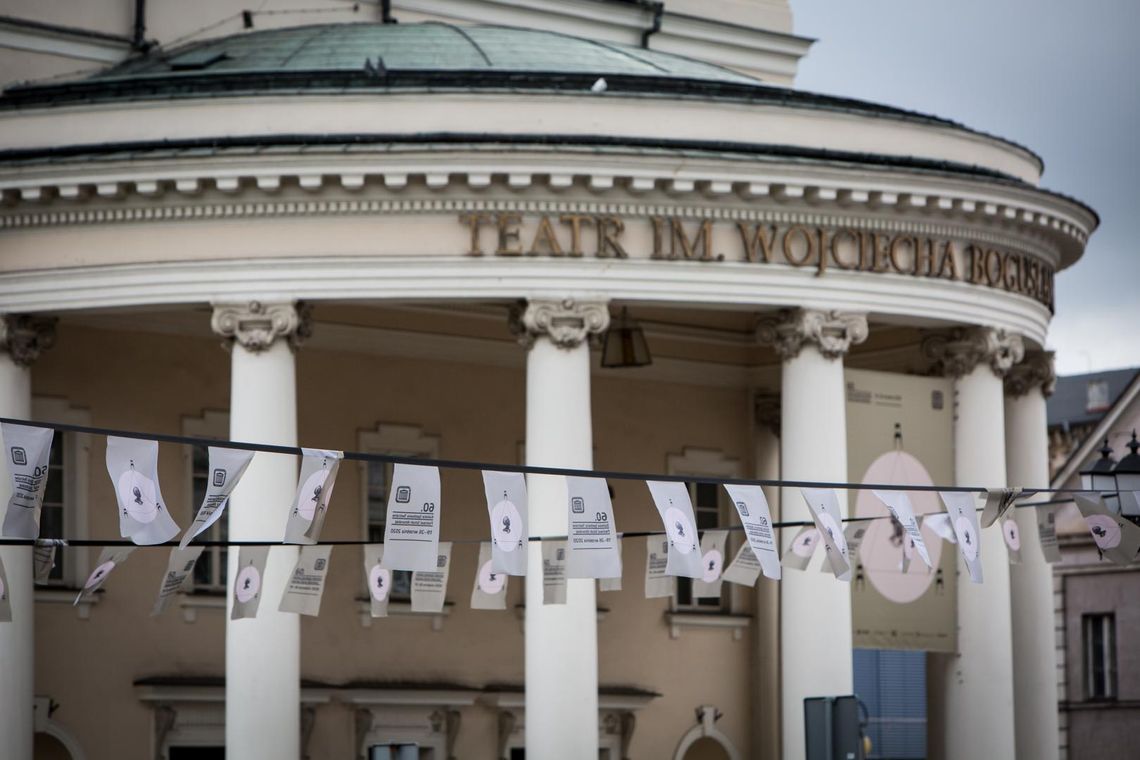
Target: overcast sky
{"type": "Point", "coordinates": [1059, 76]}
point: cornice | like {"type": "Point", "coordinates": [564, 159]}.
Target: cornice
{"type": "Point", "coordinates": [69, 194]}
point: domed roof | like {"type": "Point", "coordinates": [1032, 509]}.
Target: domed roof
{"type": "Point", "coordinates": [425, 47]}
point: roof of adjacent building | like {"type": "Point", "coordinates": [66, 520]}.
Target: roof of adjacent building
{"type": "Point", "coordinates": [1069, 404]}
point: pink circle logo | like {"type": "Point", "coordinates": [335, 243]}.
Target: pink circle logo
{"type": "Point", "coordinates": [1104, 531]}
{"type": "Point", "coordinates": [711, 567]}
{"type": "Point", "coordinates": [805, 543]}
{"type": "Point", "coordinates": [312, 494]}
{"type": "Point", "coordinates": [139, 496]}
{"type": "Point", "coordinates": [680, 530]}
{"type": "Point", "coordinates": [248, 583]}
{"type": "Point", "coordinates": [507, 526]}
{"type": "Point", "coordinates": [379, 582]}
{"type": "Point", "coordinates": [491, 581]}
{"type": "Point", "coordinates": [99, 574]}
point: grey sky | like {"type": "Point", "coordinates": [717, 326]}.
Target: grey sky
{"type": "Point", "coordinates": [1056, 75]}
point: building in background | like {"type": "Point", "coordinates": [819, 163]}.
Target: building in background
{"type": "Point", "coordinates": [1078, 404]}
{"type": "Point", "coordinates": [412, 238]}
{"type": "Point", "coordinates": [1098, 667]}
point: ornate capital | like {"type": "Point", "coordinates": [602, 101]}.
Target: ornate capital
{"type": "Point", "coordinates": [256, 325]}
{"type": "Point", "coordinates": [832, 332]}
{"type": "Point", "coordinates": [566, 322]}
{"type": "Point", "coordinates": [957, 352]}
{"type": "Point", "coordinates": [23, 337]}
{"type": "Point", "coordinates": [1034, 371]}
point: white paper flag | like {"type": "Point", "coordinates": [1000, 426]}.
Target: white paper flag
{"type": "Point", "coordinates": [593, 542]}
{"type": "Point", "coordinates": [554, 572]}
{"type": "Point", "coordinates": [133, 467]}
{"type": "Point", "coordinates": [909, 550]}
{"type": "Point", "coordinates": [853, 533]}
{"type": "Point", "coordinates": [110, 558]}
{"type": "Point", "coordinates": [507, 510]}
{"type": "Point", "coordinates": [489, 592]}
{"type": "Point", "coordinates": [429, 587]}
{"type": "Point", "coordinates": [1116, 537]}
{"type": "Point", "coordinates": [940, 524]}
{"type": "Point", "coordinates": [311, 501]}
{"type": "Point", "coordinates": [411, 534]}
{"type": "Point", "coordinates": [744, 569]}
{"type": "Point", "coordinates": [799, 553]}
{"type": "Point", "coordinates": [964, 520]}
{"type": "Point", "coordinates": [306, 585]}
{"type": "Point", "coordinates": [226, 468]}
{"type": "Point", "coordinates": [676, 510]}
{"type": "Point", "coordinates": [1012, 536]}
{"type": "Point", "coordinates": [5, 602]}
{"type": "Point", "coordinates": [1047, 532]}
{"type": "Point", "coordinates": [247, 585]}
{"type": "Point", "coordinates": [898, 504]}
{"type": "Point", "coordinates": [998, 500]}
{"type": "Point", "coordinates": [657, 583]}
{"type": "Point", "coordinates": [378, 578]}
{"type": "Point", "coordinates": [610, 584]}
{"type": "Point", "coordinates": [28, 450]}
{"type": "Point", "coordinates": [824, 506]}
{"type": "Point", "coordinates": [43, 560]}
{"type": "Point", "coordinates": [179, 567]}
{"type": "Point", "coordinates": [714, 545]}
{"type": "Point", "coordinates": [752, 507]}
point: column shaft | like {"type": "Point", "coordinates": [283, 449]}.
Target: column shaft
{"type": "Point", "coordinates": [979, 681]}
{"type": "Point", "coordinates": [17, 638]}
{"type": "Point", "coordinates": [561, 640]}
{"type": "Point", "coordinates": [263, 687]}
{"type": "Point", "coordinates": [766, 656]}
{"type": "Point", "coordinates": [1031, 586]}
{"type": "Point", "coordinates": [815, 608]}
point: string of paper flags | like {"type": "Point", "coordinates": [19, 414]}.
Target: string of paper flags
{"type": "Point", "coordinates": [591, 549]}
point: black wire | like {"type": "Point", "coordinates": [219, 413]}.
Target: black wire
{"type": "Point", "coordinates": [459, 464]}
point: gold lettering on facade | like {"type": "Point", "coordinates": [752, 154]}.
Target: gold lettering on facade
{"type": "Point", "coordinates": [703, 241]}
{"type": "Point", "coordinates": [545, 241]}
{"type": "Point", "coordinates": [474, 221]}
{"type": "Point", "coordinates": [798, 254]}
{"type": "Point", "coordinates": [509, 243]}
{"type": "Point", "coordinates": [759, 243]}
{"type": "Point", "coordinates": [576, 221]}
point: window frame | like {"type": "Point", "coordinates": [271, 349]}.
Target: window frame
{"type": "Point", "coordinates": [707, 463]}
{"type": "Point", "coordinates": [1106, 622]}
{"type": "Point", "coordinates": [213, 424]}
{"type": "Point", "coordinates": [76, 449]}
{"type": "Point", "coordinates": [392, 439]}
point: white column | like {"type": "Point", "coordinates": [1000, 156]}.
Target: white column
{"type": "Point", "coordinates": [561, 640]}
{"type": "Point", "coordinates": [1031, 581]}
{"type": "Point", "coordinates": [263, 685]}
{"type": "Point", "coordinates": [978, 683]}
{"type": "Point", "coordinates": [766, 655]}
{"type": "Point", "coordinates": [815, 607]}
{"type": "Point", "coordinates": [21, 340]}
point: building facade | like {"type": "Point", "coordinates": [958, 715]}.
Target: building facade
{"type": "Point", "coordinates": [408, 236]}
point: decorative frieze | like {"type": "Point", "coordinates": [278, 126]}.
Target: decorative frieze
{"type": "Point", "coordinates": [567, 322]}
{"type": "Point", "coordinates": [1034, 371]}
{"type": "Point", "coordinates": [24, 337]}
{"type": "Point", "coordinates": [955, 353]}
{"type": "Point", "coordinates": [832, 332]}
{"type": "Point", "coordinates": [256, 325]}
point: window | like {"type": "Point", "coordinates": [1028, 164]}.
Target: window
{"type": "Point", "coordinates": [1100, 655]}
{"type": "Point", "coordinates": [706, 508]}
{"type": "Point", "coordinates": [395, 440]}
{"type": "Point", "coordinates": [379, 476]}
{"type": "Point", "coordinates": [399, 752]}
{"type": "Point", "coordinates": [52, 515]}
{"type": "Point", "coordinates": [1096, 398]}
{"type": "Point", "coordinates": [210, 570]}
{"type": "Point", "coordinates": [196, 753]}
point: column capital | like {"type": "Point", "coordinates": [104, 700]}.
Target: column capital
{"type": "Point", "coordinates": [957, 352]}
{"type": "Point", "coordinates": [256, 325]}
{"type": "Point", "coordinates": [1034, 371]}
{"type": "Point", "coordinates": [24, 337]}
{"type": "Point", "coordinates": [766, 408]}
{"type": "Point", "coordinates": [566, 322]}
{"type": "Point", "coordinates": [832, 332]}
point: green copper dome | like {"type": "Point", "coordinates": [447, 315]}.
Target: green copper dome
{"type": "Point", "coordinates": [427, 47]}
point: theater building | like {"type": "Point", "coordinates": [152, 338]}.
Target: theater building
{"type": "Point", "coordinates": [338, 231]}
